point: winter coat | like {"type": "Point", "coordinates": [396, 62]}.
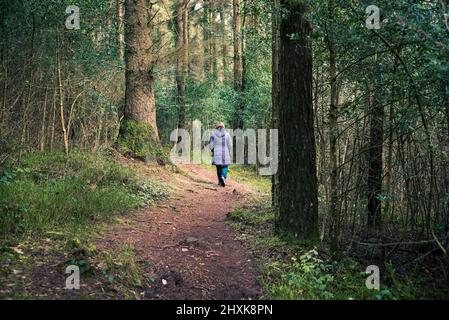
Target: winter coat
{"type": "Point", "coordinates": [221, 145]}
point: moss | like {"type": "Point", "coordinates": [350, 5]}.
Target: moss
{"type": "Point", "coordinates": [135, 139]}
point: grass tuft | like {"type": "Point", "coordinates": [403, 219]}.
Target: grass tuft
{"type": "Point", "coordinates": [52, 192]}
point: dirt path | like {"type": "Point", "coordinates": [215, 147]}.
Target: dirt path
{"type": "Point", "coordinates": [191, 252]}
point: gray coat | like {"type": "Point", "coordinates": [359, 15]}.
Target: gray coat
{"type": "Point", "coordinates": [221, 145]}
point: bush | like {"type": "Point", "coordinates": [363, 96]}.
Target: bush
{"type": "Point", "coordinates": [307, 278]}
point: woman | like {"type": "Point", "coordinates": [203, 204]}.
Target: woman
{"type": "Point", "coordinates": [221, 146]}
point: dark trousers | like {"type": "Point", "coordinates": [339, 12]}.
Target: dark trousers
{"type": "Point", "coordinates": [221, 171]}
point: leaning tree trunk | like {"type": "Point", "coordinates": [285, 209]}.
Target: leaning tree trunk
{"type": "Point", "coordinates": [298, 193]}
{"type": "Point", "coordinates": [138, 131]}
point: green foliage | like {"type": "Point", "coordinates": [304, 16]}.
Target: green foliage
{"type": "Point", "coordinates": [208, 101]}
{"type": "Point", "coordinates": [307, 278]}
{"type": "Point", "coordinates": [249, 175]}
{"type": "Point", "coordinates": [121, 267]}
{"type": "Point", "coordinates": [56, 191]}
{"type": "Point", "coordinates": [297, 271]}
{"type": "Point", "coordinates": [30, 35]}
{"type": "Point", "coordinates": [149, 192]}
{"type": "Point", "coordinates": [248, 217]}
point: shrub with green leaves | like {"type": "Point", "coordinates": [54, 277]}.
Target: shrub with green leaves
{"type": "Point", "coordinates": [307, 278]}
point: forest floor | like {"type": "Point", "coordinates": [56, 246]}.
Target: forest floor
{"type": "Point", "coordinates": [192, 240]}
{"type": "Point", "coordinates": [180, 248]}
{"type": "Point", "coordinates": [190, 250]}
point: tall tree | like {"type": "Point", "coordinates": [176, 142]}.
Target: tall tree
{"type": "Point", "coordinates": [276, 42]}
{"type": "Point", "coordinates": [213, 39]}
{"type": "Point", "coordinates": [138, 131]}
{"type": "Point", "coordinates": [334, 212]}
{"type": "Point", "coordinates": [238, 71]}
{"type": "Point", "coordinates": [180, 62]}
{"type": "Point", "coordinates": [120, 29]}
{"type": "Point", "coordinates": [186, 37]}
{"type": "Point", "coordinates": [298, 194]}
{"type": "Point", "coordinates": [224, 42]}
{"type": "Point", "coordinates": [375, 166]}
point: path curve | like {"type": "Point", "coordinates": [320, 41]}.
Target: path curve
{"type": "Point", "coordinates": [190, 250]}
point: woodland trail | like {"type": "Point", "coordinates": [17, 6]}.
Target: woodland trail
{"type": "Point", "coordinates": [190, 251]}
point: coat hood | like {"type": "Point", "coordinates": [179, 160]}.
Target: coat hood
{"type": "Point", "coordinates": [220, 132]}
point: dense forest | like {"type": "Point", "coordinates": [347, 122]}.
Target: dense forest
{"type": "Point", "coordinates": [91, 92]}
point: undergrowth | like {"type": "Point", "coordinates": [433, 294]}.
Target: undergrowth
{"type": "Point", "coordinates": [57, 192]}
{"type": "Point", "coordinates": [53, 205]}
{"type": "Point", "coordinates": [291, 270]}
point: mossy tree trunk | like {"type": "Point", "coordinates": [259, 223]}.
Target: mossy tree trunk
{"type": "Point", "coordinates": [298, 193]}
{"type": "Point", "coordinates": [138, 131]}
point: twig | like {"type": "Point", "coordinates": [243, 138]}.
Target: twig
{"type": "Point", "coordinates": [397, 243]}
{"type": "Point", "coordinates": [419, 258]}
{"type": "Point", "coordinates": [439, 243]}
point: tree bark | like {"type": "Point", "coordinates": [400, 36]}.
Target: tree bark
{"type": "Point", "coordinates": [298, 193]}
{"type": "Point", "coordinates": [334, 212]}
{"type": "Point", "coordinates": [207, 37]}
{"type": "Point", "coordinates": [224, 44]}
{"type": "Point", "coordinates": [140, 103]}
{"type": "Point", "coordinates": [375, 165]}
{"type": "Point", "coordinates": [61, 99]}
{"type": "Point", "coordinates": [140, 109]}
{"type": "Point", "coordinates": [275, 90]}
{"type": "Point", "coordinates": [446, 106]}
{"type": "Point", "coordinates": [186, 38]}
{"type": "Point", "coordinates": [238, 71]}
{"type": "Point", "coordinates": [213, 39]}
{"type": "Point", "coordinates": [180, 64]}
{"type": "Point", "coordinates": [121, 29]}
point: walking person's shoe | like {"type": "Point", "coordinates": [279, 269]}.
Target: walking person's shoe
{"type": "Point", "coordinates": [222, 182]}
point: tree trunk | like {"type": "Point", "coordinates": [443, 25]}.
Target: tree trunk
{"type": "Point", "coordinates": [121, 29]}
{"type": "Point", "coordinates": [186, 38]}
{"type": "Point", "coordinates": [138, 131]}
{"type": "Point", "coordinates": [224, 43]}
{"type": "Point", "coordinates": [213, 39]}
{"type": "Point", "coordinates": [43, 123]}
{"type": "Point", "coordinates": [298, 193]}
{"type": "Point", "coordinates": [238, 71]}
{"type": "Point", "coordinates": [53, 120]}
{"type": "Point", "coordinates": [180, 61]}
{"type": "Point", "coordinates": [333, 141]}
{"type": "Point", "coordinates": [446, 106]}
{"type": "Point", "coordinates": [207, 36]}
{"type": "Point", "coordinates": [375, 159]}
{"type": "Point", "coordinates": [61, 99]}
{"type": "Point", "coordinates": [275, 91]}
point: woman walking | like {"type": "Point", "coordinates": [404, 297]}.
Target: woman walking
{"type": "Point", "coordinates": [221, 147]}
